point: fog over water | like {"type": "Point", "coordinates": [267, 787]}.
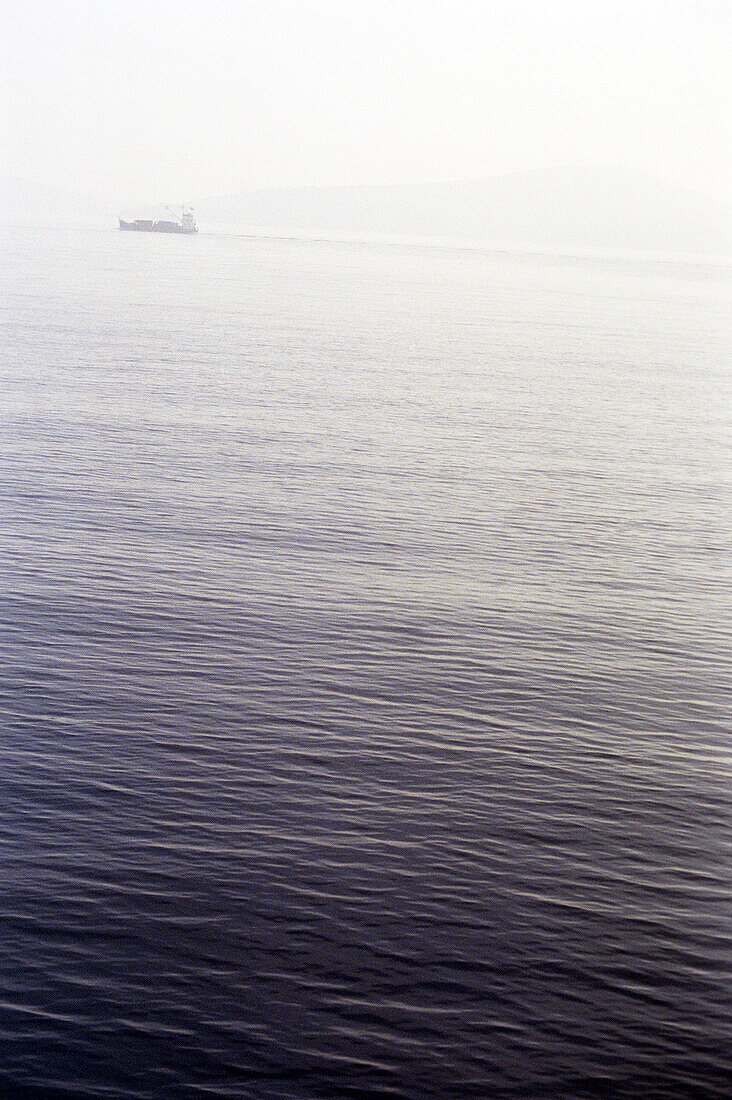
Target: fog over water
{"type": "Point", "coordinates": [365, 671]}
{"type": "Point", "coordinates": [133, 103]}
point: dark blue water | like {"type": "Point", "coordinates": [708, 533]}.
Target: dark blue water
{"type": "Point", "coordinates": [365, 687]}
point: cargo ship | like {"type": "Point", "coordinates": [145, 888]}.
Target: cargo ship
{"type": "Point", "coordinates": [186, 223]}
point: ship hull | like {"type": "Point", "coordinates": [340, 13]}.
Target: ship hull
{"type": "Point", "coordinates": [156, 227]}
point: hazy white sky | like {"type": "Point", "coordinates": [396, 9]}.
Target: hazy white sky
{"type": "Point", "coordinates": [139, 101]}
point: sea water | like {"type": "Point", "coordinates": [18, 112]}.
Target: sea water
{"type": "Point", "coordinates": [365, 671]}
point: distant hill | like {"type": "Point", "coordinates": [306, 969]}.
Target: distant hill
{"type": "Point", "coordinates": [592, 208]}
{"type": "Point", "coordinates": [579, 208]}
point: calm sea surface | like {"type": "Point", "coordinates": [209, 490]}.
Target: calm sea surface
{"type": "Point", "coordinates": [365, 672]}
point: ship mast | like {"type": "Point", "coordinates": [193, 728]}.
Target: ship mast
{"type": "Point", "coordinates": [186, 220]}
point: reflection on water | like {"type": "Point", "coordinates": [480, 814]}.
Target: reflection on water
{"type": "Point", "coordinates": [365, 672]}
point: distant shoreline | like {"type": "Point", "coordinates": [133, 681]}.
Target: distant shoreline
{"type": "Point", "coordinates": [457, 244]}
{"type": "Point", "coordinates": [507, 250]}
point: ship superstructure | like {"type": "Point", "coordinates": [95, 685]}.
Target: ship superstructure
{"type": "Point", "coordinates": [185, 223]}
